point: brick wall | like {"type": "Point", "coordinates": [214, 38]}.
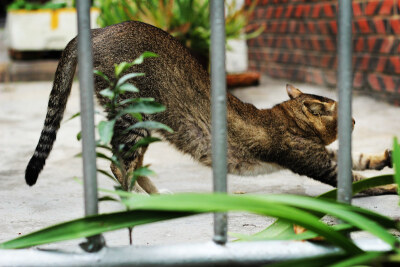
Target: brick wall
{"type": "Point", "coordinates": [299, 43]}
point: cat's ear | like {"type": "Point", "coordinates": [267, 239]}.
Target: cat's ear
{"type": "Point", "coordinates": [292, 91]}
{"type": "Point", "coordinates": [315, 107]}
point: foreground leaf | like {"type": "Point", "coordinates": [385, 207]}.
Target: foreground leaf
{"type": "Point", "coordinates": [106, 131]}
{"type": "Point", "coordinates": [150, 125]}
{"type": "Point", "coordinates": [140, 212]}
{"type": "Point", "coordinates": [284, 228]}
{"type": "Point", "coordinates": [90, 226]}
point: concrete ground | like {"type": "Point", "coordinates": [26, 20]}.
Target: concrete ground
{"type": "Point", "coordinates": [57, 197]}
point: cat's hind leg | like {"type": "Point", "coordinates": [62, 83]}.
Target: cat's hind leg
{"type": "Point", "coordinates": [130, 160]}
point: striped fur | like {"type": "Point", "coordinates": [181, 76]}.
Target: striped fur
{"type": "Point", "coordinates": [55, 111]}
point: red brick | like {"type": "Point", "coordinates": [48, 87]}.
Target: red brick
{"type": "Point", "coordinates": [387, 44]}
{"type": "Point", "coordinates": [329, 10]}
{"type": "Point", "coordinates": [288, 12]}
{"type": "Point", "coordinates": [395, 25]}
{"type": "Point", "coordinates": [269, 13]}
{"type": "Point", "coordinates": [358, 80]}
{"type": "Point", "coordinates": [316, 11]}
{"type": "Point", "coordinates": [371, 7]}
{"type": "Point", "coordinates": [363, 26]}
{"type": "Point", "coordinates": [333, 25]}
{"type": "Point", "coordinates": [359, 46]}
{"type": "Point", "coordinates": [380, 26]}
{"type": "Point", "coordinates": [371, 43]}
{"type": "Point", "coordinates": [278, 12]}
{"type": "Point", "coordinates": [380, 66]}
{"type": "Point", "coordinates": [357, 9]}
{"type": "Point", "coordinates": [395, 62]}
{"type": "Point", "coordinates": [298, 11]}
{"type": "Point", "coordinates": [389, 83]}
{"type": "Point", "coordinates": [386, 7]}
{"type": "Point", "coordinates": [373, 82]}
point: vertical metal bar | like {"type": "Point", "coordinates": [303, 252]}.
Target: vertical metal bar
{"type": "Point", "coordinates": [218, 106]}
{"type": "Point", "coordinates": [85, 61]}
{"type": "Point", "coordinates": [345, 78]}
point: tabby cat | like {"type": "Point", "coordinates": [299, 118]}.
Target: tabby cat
{"type": "Point", "coordinates": [293, 134]}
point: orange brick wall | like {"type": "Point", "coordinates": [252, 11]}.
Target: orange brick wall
{"type": "Point", "coordinates": [299, 43]}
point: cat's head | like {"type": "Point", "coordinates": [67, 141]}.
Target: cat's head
{"type": "Point", "coordinates": [318, 112]}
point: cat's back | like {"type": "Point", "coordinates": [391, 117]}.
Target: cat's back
{"type": "Point", "coordinates": [173, 74]}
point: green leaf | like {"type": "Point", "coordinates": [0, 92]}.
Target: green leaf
{"type": "Point", "coordinates": [351, 214]}
{"type": "Point", "coordinates": [73, 117]}
{"type": "Point", "coordinates": [150, 125]}
{"type": "Point", "coordinates": [107, 93]}
{"type": "Point", "coordinates": [363, 259]}
{"type": "Point", "coordinates": [293, 236]}
{"type": "Point", "coordinates": [110, 159]}
{"type": "Point", "coordinates": [102, 75]}
{"type": "Point", "coordinates": [108, 198]}
{"type": "Point", "coordinates": [184, 204]}
{"type": "Point", "coordinates": [144, 107]}
{"type": "Point", "coordinates": [127, 87]}
{"type": "Point", "coordinates": [126, 77]}
{"type": "Point", "coordinates": [143, 171]}
{"type": "Point", "coordinates": [106, 131]}
{"type": "Point", "coordinates": [136, 100]}
{"type": "Point", "coordinates": [254, 204]}
{"type": "Point", "coordinates": [90, 226]}
{"type": "Point", "coordinates": [275, 229]}
{"type": "Point", "coordinates": [396, 163]}
{"type": "Point", "coordinates": [140, 59]}
{"type": "Point", "coordinates": [79, 136]}
{"type": "Point", "coordinates": [121, 67]}
{"type": "Point", "coordinates": [107, 174]}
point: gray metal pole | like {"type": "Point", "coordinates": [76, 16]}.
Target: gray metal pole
{"type": "Point", "coordinates": [218, 106]}
{"type": "Point", "coordinates": [345, 78]}
{"type": "Point", "coordinates": [85, 62]}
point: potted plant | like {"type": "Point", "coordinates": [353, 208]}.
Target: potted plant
{"type": "Point", "coordinates": [38, 26]}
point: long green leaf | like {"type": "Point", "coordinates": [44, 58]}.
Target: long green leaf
{"type": "Point", "coordinates": [143, 107]}
{"type": "Point", "coordinates": [293, 236]}
{"type": "Point", "coordinates": [363, 259]}
{"type": "Point", "coordinates": [187, 204]}
{"type": "Point", "coordinates": [219, 202]}
{"type": "Point", "coordinates": [128, 76]}
{"type": "Point", "coordinates": [276, 229]}
{"type": "Point", "coordinates": [90, 226]}
{"type": "Point", "coordinates": [146, 54]}
{"type": "Point", "coordinates": [345, 212]}
{"type": "Point", "coordinates": [150, 125]}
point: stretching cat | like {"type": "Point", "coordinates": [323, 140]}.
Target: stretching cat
{"type": "Point", "coordinates": [290, 135]}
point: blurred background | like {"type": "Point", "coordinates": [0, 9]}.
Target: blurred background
{"type": "Point", "coordinates": [292, 40]}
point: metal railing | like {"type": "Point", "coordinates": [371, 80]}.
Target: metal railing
{"type": "Point", "coordinates": [218, 252]}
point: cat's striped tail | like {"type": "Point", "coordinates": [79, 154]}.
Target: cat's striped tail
{"type": "Point", "coordinates": [55, 110]}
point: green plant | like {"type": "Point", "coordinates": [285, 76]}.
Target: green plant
{"type": "Point", "coordinates": [186, 20]}
{"type": "Point", "coordinates": [118, 107]}
{"type": "Point", "coordinates": [23, 4]}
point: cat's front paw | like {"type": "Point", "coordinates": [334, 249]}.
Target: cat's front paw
{"type": "Point", "coordinates": [389, 189]}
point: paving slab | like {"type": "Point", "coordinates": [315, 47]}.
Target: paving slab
{"type": "Point", "coordinates": [58, 197]}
